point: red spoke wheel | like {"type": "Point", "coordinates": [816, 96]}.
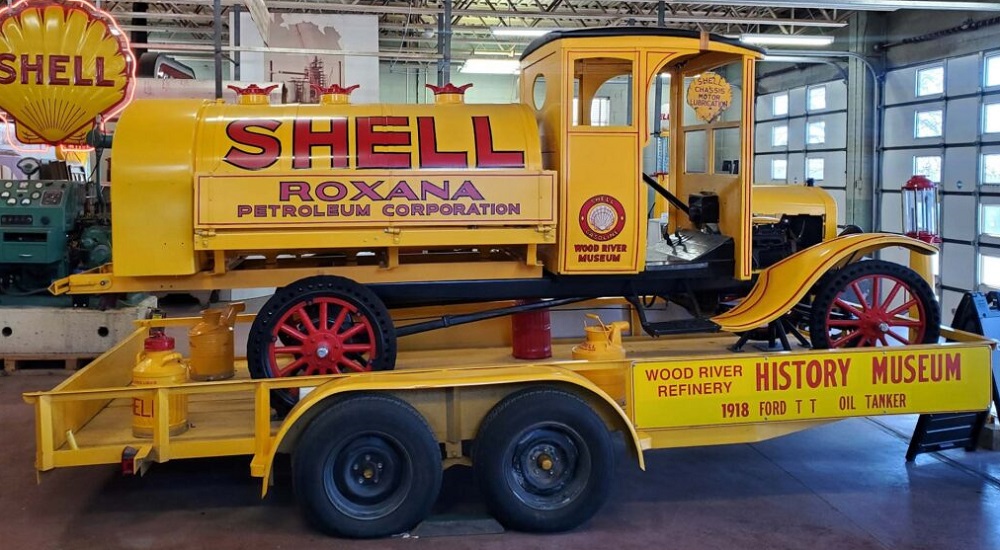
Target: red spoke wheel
{"type": "Point", "coordinates": [874, 303]}
{"type": "Point", "coordinates": [320, 325]}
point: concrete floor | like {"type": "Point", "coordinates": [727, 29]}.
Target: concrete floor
{"type": "Point", "coordinates": [844, 486]}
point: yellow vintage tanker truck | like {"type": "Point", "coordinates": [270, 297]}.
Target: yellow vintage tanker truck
{"type": "Point", "coordinates": [352, 210]}
{"type": "Point", "coordinates": [358, 211]}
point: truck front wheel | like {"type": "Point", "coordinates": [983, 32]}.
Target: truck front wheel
{"type": "Point", "coordinates": [368, 466]}
{"type": "Point", "coordinates": [319, 325]}
{"type": "Point", "coordinates": [874, 303]}
{"type": "Point", "coordinates": [544, 460]}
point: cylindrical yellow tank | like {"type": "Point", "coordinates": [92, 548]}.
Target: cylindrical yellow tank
{"type": "Point", "coordinates": [212, 344]}
{"type": "Point", "coordinates": [157, 365]}
{"type": "Point", "coordinates": [225, 173]}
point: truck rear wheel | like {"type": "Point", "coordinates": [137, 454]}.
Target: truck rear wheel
{"type": "Point", "coordinates": [544, 460]}
{"type": "Point", "coordinates": [319, 325]}
{"type": "Point", "coordinates": [860, 306]}
{"type": "Point", "coordinates": [368, 466]}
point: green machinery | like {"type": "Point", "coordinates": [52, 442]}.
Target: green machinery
{"type": "Point", "coordinates": [46, 234]}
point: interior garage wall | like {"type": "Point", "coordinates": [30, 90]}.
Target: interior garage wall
{"type": "Point", "coordinates": [405, 83]}
{"type": "Point", "coordinates": [960, 146]}
{"type": "Point", "coordinates": [832, 151]}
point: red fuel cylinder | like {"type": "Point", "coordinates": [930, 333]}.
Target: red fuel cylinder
{"type": "Point", "coordinates": [531, 334]}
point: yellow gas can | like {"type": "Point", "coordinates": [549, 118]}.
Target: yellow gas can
{"type": "Point", "coordinates": [212, 343]}
{"type": "Point", "coordinates": [604, 342]}
{"type": "Point", "coordinates": [158, 365]}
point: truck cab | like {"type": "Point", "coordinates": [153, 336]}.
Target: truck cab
{"type": "Point", "coordinates": [593, 92]}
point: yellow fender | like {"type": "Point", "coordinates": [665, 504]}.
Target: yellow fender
{"type": "Point", "coordinates": [782, 285]}
{"type": "Point", "coordinates": [404, 380]}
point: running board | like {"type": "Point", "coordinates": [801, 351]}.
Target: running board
{"type": "Point", "coordinates": [671, 328]}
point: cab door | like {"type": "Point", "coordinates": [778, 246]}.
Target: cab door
{"type": "Point", "coordinates": [602, 213]}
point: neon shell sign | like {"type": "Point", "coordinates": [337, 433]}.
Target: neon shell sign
{"type": "Point", "coordinates": [62, 65]}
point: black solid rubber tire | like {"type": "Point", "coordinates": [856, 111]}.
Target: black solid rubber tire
{"type": "Point", "coordinates": [367, 303]}
{"type": "Point", "coordinates": [832, 284]}
{"type": "Point", "coordinates": [526, 412]}
{"type": "Point", "coordinates": [363, 417]}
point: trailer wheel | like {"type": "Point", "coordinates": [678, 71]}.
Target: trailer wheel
{"type": "Point", "coordinates": [368, 466]}
{"type": "Point", "coordinates": [860, 305]}
{"type": "Point", "coordinates": [544, 461]}
{"type": "Point", "coordinates": [319, 325]}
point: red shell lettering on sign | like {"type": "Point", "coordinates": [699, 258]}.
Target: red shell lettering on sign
{"type": "Point", "coordinates": [62, 65]}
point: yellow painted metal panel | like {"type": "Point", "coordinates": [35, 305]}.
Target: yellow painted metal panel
{"type": "Point", "coordinates": [154, 145]}
{"type": "Point", "coordinates": [603, 201]}
{"type": "Point", "coordinates": [103, 280]}
{"type": "Point", "coordinates": [783, 284]}
{"type": "Point", "coordinates": [349, 199]}
{"type": "Point", "coordinates": [777, 200]}
{"type": "Point", "coordinates": [738, 389]}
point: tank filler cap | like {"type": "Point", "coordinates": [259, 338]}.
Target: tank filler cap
{"type": "Point", "coordinates": [158, 341]}
{"type": "Point", "coordinates": [334, 94]}
{"type": "Point", "coordinates": [253, 94]}
{"type": "Point", "coordinates": [449, 93]}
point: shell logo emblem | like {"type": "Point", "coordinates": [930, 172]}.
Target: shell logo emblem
{"type": "Point", "coordinates": [602, 218]}
{"type": "Point", "coordinates": [61, 66]}
{"type": "Point", "coordinates": [709, 95]}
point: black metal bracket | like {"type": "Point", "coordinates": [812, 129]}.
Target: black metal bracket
{"type": "Point", "coordinates": [454, 320]}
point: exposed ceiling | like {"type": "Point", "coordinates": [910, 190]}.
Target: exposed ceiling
{"type": "Point", "coordinates": [408, 29]}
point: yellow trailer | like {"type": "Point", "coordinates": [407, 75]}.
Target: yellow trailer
{"type": "Point", "coordinates": [368, 449]}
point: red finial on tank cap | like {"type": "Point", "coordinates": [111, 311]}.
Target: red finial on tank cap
{"type": "Point", "coordinates": [334, 89]}
{"type": "Point", "coordinates": [448, 88]}
{"type": "Point", "coordinates": [253, 94]}
{"type": "Point", "coordinates": [253, 89]}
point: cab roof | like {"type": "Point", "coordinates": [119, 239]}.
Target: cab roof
{"type": "Point", "coordinates": [602, 32]}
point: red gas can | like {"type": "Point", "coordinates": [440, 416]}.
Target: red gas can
{"type": "Point", "coordinates": [531, 334]}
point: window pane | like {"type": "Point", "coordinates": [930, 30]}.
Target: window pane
{"type": "Point", "coordinates": [817, 98]}
{"type": "Point", "coordinates": [989, 270]}
{"type": "Point", "coordinates": [929, 167]}
{"type": "Point", "coordinates": [991, 117]}
{"type": "Point", "coordinates": [991, 220]}
{"type": "Point", "coordinates": [611, 103]}
{"type": "Point", "coordinates": [928, 124]}
{"type": "Point", "coordinates": [930, 81]}
{"type": "Point", "coordinates": [779, 136]}
{"type": "Point", "coordinates": [815, 169]}
{"type": "Point", "coordinates": [727, 151]}
{"type": "Point", "coordinates": [779, 169]}
{"type": "Point", "coordinates": [816, 133]}
{"type": "Point", "coordinates": [780, 105]}
{"type": "Point", "coordinates": [993, 70]}
{"type": "Point", "coordinates": [696, 150]}
{"type": "Point", "coordinates": [991, 169]}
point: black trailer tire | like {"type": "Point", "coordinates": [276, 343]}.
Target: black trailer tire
{"type": "Point", "coordinates": [544, 460]}
{"type": "Point", "coordinates": [348, 330]}
{"type": "Point", "coordinates": [844, 313]}
{"type": "Point", "coordinates": [368, 466]}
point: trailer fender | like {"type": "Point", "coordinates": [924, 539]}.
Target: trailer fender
{"type": "Point", "coordinates": [782, 285]}
{"type": "Point", "coordinates": [402, 381]}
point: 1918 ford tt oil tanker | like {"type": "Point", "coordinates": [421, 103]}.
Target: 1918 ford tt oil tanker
{"type": "Point", "coordinates": [353, 211]}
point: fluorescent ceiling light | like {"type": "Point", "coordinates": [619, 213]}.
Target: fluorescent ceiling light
{"type": "Point", "coordinates": [490, 66]}
{"type": "Point", "coordinates": [531, 32]}
{"type": "Point", "coordinates": [495, 53]}
{"type": "Point", "coordinates": [786, 39]}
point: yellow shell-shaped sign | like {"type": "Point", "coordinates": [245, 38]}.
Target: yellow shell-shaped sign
{"type": "Point", "coordinates": [61, 66]}
{"type": "Point", "coordinates": [709, 95]}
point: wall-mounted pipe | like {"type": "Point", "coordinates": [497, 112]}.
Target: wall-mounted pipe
{"type": "Point", "coordinates": [968, 26]}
